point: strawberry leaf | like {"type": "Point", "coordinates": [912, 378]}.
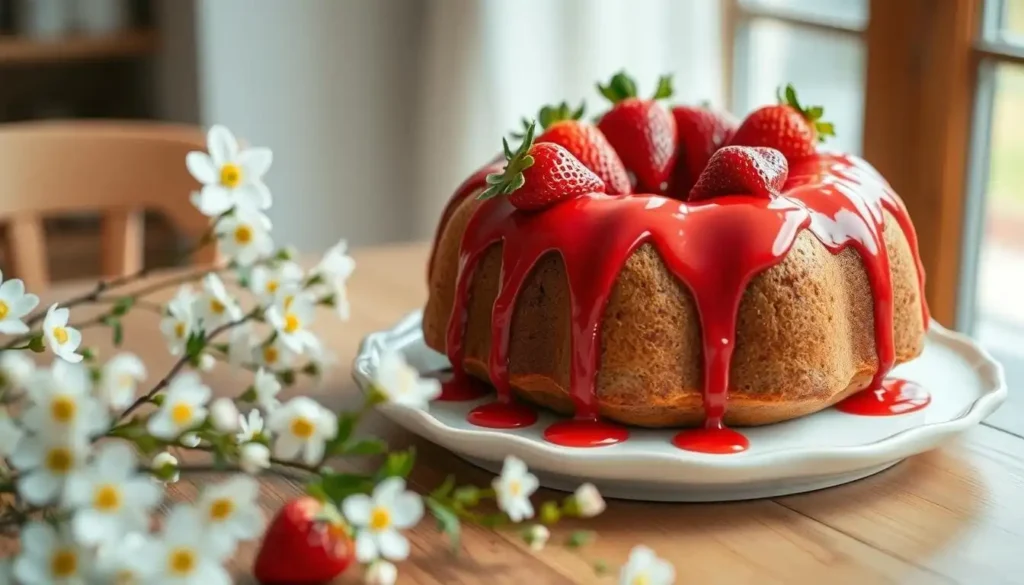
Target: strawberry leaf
{"type": "Point", "coordinates": [664, 88]}
{"type": "Point", "coordinates": [511, 178]}
{"type": "Point", "coordinates": [550, 115]}
{"type": "Point", "coordinates": [619, 88]}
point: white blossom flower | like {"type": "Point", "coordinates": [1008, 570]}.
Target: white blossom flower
{"type": "Point", "coordinates": [207, 362]}
{"type": "Point", "coordinates": [275, 356]}
{"type": "Point", "coordinates": [46, 461]}
{"type": "Point", "coordinates": [537, 537]}
{"type": "Point", "coordinates": [291, 320]}
{"type": "Point", "coordinates": [214, 305]}
{"type": "Point", "coordinates": [380, 517]}
{"type": "Point", "coordinates": [111, 499]}
{"type": "Point", "coordinates": [62, 339]}
{"type": "Point", "coordinates": [185, 554]}
{"type": "Point", "coordinates": [224, 415]}
{"type": "Point", "coordinates": [267, 282]}
{"type": "Point", "coordinates": [250, 426]}
{"type": "Point", "coordinates": [513, 489]}
{"type": "Point", "coordinates": [49, 557]}
{"type": "Point", "coordinates": [241, 344]}
{"type": "Point", "coordinates": [62, 402]}
{"type": "Point", "coordinates": [244, 236]}
{"type": "Point", "coordinates": [381, 573]}
{"type": "Point", "coordinates": [253, 458]}
{"type": "Point", "coordinates": [14, 305]}
{"type": "Point", "coordinates": [302, 425]}
{"type": "Point", "coordinates": [125, 562]}
{"type": "Point", "coordinates": [589, 502]}
{"type": "Point", "coordinates": [10, 434]}
{"type": "Point", "coordinates": [335, 268]}
{"type": "Point", "coordinates": [184, 407]}
{"type": "Point", "coordinates": [120, 379]}
{"type": "Point", "coordinates": [644, 567]}
{"type": "Point", "coordinates": [402, 384]}
{"type": "Point", "coordinates": [230, 511]}
{"type": "Point", "coordinates": [231, 176]}
{"type": "Point", "coordinates": [266, 386]}
{"type": "Point", "coordinates": [179, 321]}
{"type": "Point", "coordinates": [16, 368]}
{"type": "Point", "coordinates": [162, 462]}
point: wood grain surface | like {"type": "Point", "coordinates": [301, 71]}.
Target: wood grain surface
{"type": "Point", "coordinates": [955, 515]}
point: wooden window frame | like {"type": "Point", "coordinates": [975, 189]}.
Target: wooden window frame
{"type": "Point", "coordinates": [922, 127]}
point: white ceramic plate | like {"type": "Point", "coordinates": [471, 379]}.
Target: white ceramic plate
{"type": "Point", "coordinates": [822, 450]}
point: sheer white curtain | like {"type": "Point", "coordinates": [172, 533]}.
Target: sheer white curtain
{"type": "Point", "coordinates": [487, 63]}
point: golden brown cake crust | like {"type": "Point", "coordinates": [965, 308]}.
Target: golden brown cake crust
{"type": "Point", "coordinates": [805, 334]}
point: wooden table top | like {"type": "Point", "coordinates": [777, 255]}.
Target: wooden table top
{"type": "Point", "coordinates": [955, 515]}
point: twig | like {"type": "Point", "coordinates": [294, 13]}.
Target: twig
{"type": "Point", "coordinates": [166, 380]}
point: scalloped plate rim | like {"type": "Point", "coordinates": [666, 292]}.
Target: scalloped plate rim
{"type": "Point", "coordinates": [796, 461]}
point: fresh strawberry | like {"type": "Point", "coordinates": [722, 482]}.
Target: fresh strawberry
{"type": "Point", "coordinates": [701, 132]}
{"type": "Point", "coordinates": [787, 127]}
{"type": "Point", "coordinates": [563, 126]}
{"type": "Point", "coordinates": [540, 175]}
{"type": "Point", "coordinates": [307, 543]}
{"type": "Point", "coordinates": [641, 131]}
{"type": "Point", "coordinates": [742, 170]}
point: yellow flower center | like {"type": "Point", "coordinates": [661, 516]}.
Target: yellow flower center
{"type": "Point", "coordinates": [64, 563]}
{"type": "Point", "coordinates": [181, 561]}
{"type": "Point", "coordinates": [230, 175]}
{"type": "Point", "coordinates": [4, 309]}
{"type": "Point", "coordinates": [380, 518]}
{"type": "Point", "coordinates": [243, 234]}
{"type": "Point", "coordinates": [270, 354]}
{"type": "Point", "coordinates": [641, 579]}
{"type": "Point", "coordinates": [217, 307]}
{"type": "Point", "coordinates": [107, 498]}
{"type": "Point", "coordinates": [62, 409]}
{"type": "Point", "coordinates": [125, 381]}
{"type": "Point", "coordinates": [221, 509]}
{"type": "Point", "coordinates": [179, 329]}
{"type": "Point", "coordinates": [291, 323]}
{"type": "Point", "coordinates": [271, 287]}
{"type": "Point", "coordinates": [303, 428]}
{"type": "Point", "coordinates": [515, 488]}
{"type": "Point", "coordinates": [60, 334]}
{"type": "Point", "coordinates": [59, 460]}
{"type": "Point", "coordinates": [181, 413]}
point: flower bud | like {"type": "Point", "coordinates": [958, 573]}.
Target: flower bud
{"type": "Point", "coordinates": [224, 415]}
{"type": "Point", "coordinates": [189, 440]}
{"type": "Point", "coordinates": [381, 573]}
{"type": "Point", "coordinates": [207, 362]}
{"type": "Point", "coordinates": [537, 536]}
{"type": "Point", "coordinates": [165, 467]}
{"type": "Point", "coordinates": [253, 458]}
{"type": "Point", "coordinates": [588, 500]}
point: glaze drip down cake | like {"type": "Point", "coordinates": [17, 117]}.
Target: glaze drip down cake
{"type": "Point", "coordinates": [674, 268]}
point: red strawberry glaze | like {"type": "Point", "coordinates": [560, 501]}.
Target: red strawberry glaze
{"type": "Point", "coordinates": [715, 247]}
{"type": "Point", "coordinates": [893, 397]}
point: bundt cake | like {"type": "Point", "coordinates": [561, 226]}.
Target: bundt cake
{"type": "Point", "coordinates": [769, 283]}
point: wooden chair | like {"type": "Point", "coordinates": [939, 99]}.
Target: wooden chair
{"type": "Point", "coordinates": [116, 169]}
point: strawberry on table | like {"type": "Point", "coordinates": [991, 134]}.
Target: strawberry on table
{"type": "Point", "coordinates": [563, 126]}
{"type": "Point", "coordinates": [641, 131]}
{"type": "Point", "coordinates": [788, 127]}
{"type": "Point", "coordinates": [537, 176]}
{"type": "Point", "coordinates": [742, 170]}
{"type": "Point", "coordinates": [701, 132]}
{"type": "Point", "coordinates": [307, 543]}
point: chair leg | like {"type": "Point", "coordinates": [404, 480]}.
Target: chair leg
{"type": "Point", "coordinates": [122, 233]}
{"type": "Point", "coordinates": [27, 243]}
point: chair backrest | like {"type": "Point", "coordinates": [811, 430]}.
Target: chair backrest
{"type": "Point", "coordinates": [116, 169]}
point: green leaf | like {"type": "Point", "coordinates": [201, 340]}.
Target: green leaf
{"type": "Point", "coordinates": [36, 344]}
{"type": "Point", "coordinates": [146, 443]}
{"type": "Point", "coordinates": [249, 395]}
{"type": "Point", "coordinates": [664, 89]}
{"type": "Point", "coordinates": [286, 377]}
{"type": "Point", "coordinates": [365, 447]}
{"type": "Point", "coordinates": [398, 464]}
{"type": "Point", "coordinates": [511, 178]}
{"type": "Point", "coordinates": [600, 567]}
{"type": "Point", "coordinates": [442, 491]}
{"type": "Point", "coordinates": [447, 521]}
{"type": "Point", "coordinates": [118, 334]}
{"type": "Point", "coordinates": [195, 344]}
{"type": "Point", "coordinates": [824, 129]}
{"type": "Point", "coordinates": [619, 88]}
{"type": "Point", "coordinates": [315, 489]}
{"type": "Point", "coordinates": [338, 486]}
{"type": "Point", "coordinates": [122, 306]}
